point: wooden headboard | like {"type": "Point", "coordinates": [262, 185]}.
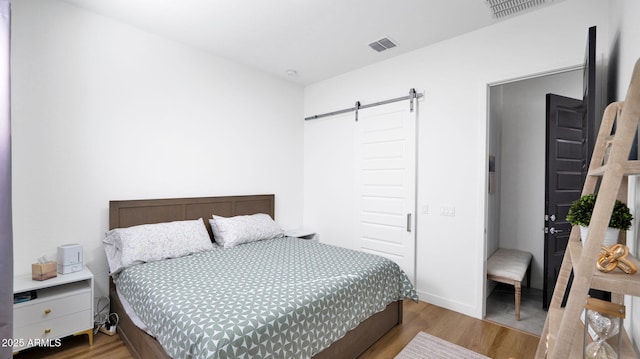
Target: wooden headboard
{"type": "Point", "coordinates": [146, 211]}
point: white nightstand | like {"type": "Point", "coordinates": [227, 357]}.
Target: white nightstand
{"type": "Point", "coordinates": [63, 307]}
{"type": "Point", "coordinates": [301, 233]}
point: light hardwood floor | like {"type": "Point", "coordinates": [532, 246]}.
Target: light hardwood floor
{"type": "Point", "coordinates": [480, 336]}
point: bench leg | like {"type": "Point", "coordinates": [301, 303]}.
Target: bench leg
{"type": "Point", "coordinates": [518, 286]}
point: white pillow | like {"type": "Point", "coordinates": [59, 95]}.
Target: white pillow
{"type": "Point", "coordinates": [229, 232]}
{"type": "Point", "coordinates": [153, 242]}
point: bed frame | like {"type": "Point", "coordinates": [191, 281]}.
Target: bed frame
{"type": "Point", "coordinates": [134, 212]}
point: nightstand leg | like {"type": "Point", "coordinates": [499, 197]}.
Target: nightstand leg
{"type": "Point", "coordinates": [88, 332]}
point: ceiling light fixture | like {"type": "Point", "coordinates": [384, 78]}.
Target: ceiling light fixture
{"type": "Point", "coordinates": [501, 8]}
{"type": "Point", "coordinates": [291, 72]}
{"type": "Point", "coordinates": [382, 44]}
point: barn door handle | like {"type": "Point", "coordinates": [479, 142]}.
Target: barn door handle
{"type": "Point", "coordinates": [408, 222]}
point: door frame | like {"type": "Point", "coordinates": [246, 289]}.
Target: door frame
{"type": "Point", "coordinates": [487, 85]}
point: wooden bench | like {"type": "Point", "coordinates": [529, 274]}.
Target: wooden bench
{"type": "Point", "coordinates": [510, 266]}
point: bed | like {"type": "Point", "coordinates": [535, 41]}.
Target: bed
{"type": "Point", "coordinates": [353, 342]}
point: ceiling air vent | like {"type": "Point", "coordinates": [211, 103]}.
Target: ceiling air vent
{"type": "Point", "coordinates": [382, 44]}
{"type": "Point", "coordinates": [502, 8]}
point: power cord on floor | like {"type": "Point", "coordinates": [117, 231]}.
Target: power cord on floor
{"type": "Point", "coordinates": [104, 321]}
{"type": "Point", "coordinates": [110, 327]}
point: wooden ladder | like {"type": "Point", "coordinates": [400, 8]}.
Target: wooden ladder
{"type": "Point", "coordinates": [608, 171]}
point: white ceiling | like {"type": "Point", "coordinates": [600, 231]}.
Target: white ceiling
{"type": "Point", "coordinates": [317, 38]}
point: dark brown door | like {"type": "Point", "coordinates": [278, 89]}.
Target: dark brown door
{"type": "Point", "coordinates": [567, 152]}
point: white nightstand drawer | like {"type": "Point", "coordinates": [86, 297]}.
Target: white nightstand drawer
{"type": "Point", "coordinates": [54, 328]}
{"type": "Point", "coordinates": [39, 311]}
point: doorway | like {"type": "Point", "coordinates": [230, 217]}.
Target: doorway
{"type": "Point", "coordinates": [516, 206]}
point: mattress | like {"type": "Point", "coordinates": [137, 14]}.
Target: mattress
{"type": "Point", "coordinates": [278, 298]}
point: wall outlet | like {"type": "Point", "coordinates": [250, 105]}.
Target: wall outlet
{"type": "Point", "coordinates": [448, 210]}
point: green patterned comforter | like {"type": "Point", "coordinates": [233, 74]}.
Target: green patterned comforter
{"type": "Point", "coordinates": [279, 298]}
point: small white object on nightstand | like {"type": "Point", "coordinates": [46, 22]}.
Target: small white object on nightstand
{"type": "Point", "coordinates": [69, 258]}
{"type": "Point", "coordinates": [301, 233]}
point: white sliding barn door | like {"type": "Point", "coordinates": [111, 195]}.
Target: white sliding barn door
{"type": "Point", "coordinates": [385, 185]}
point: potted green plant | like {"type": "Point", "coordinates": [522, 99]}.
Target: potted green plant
{"type": "Point", "coordinates": [580, 215]}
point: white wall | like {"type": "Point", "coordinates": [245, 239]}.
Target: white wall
{"type": "Point", "coordinates": [103, 111]}
{"type": "Point", "coordinates": [624, 53]}
{"type": "Point", "coordinates": [522, 159]}
{"type": "Point", "coordinates": [452, 137]}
